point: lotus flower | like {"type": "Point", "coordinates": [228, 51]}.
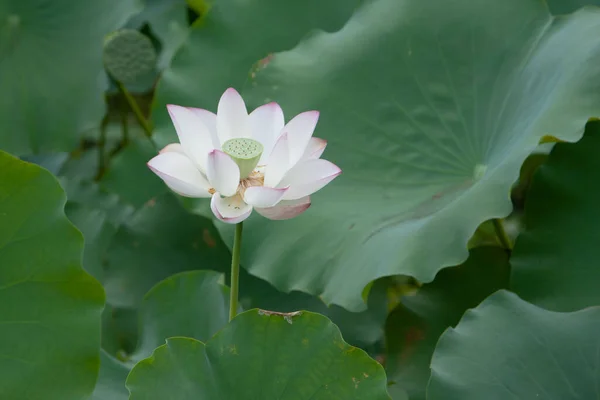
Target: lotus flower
{"type": "Point", "coordinates": [245, 162]}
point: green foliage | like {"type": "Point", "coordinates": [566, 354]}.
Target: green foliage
{"type": "Point", "coordinates": [50, 65]}
{"type": "Point", "coordinates": [413, 329]}
{"type": "Point", "coordinates": [49, 307]}
{"type": "Point", "coordinates": [233, 38]}
{"type": "Point", "coordinates": [508, 348]}
{"type": "Point", "coordinates": [168, 20]}
{"type": "Point", "coordinates": [555, 260]}
{"type": "Point", "coordinates": [194, 304]}
{"type": "Point", "coordinates": [467, 182]}
{"type": "Point", "coordinates": [261, 355]}
{"type": "Point", "coordinates": [568, 6]}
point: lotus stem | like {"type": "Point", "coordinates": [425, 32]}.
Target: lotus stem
{"type": "Point", "coordinates": [235, 271]}
{"type": "Point", "coordinates": [136, 111]}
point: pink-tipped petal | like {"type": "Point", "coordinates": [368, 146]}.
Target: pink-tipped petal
{"type": "Point", "coordinates": [194, 136]}
{"type": "Point", "coordinates": [231, 210]}
{"type": "Point", "coordinates": [262, 196]}
{"type": "Point", "coordinates": [173, 147]}
{"type": "Point", "coordinates": [278, 163]}
{"type": "Point", "coordinates": [300, 130]}
{"type": "Point", "coordinates": [314, 150]}
{"type": "Point", "coordinates": [210, 121]}
{"type": "Point", "coordinates": [180, 174]}
{"type": "Point", "coordinates": [286, 209]}
{"type": "Point", "coordinates": [307, 177]}
{"type": "Point", "coordinates": [232, 117]}
{"type": "Point", "coordinates": [265, 124]}
{"type": "Point", "coordinates": [223, 173]}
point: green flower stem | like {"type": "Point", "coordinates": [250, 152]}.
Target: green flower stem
{"type": "Point", "coordinates": [235, 271]}
{"type": "Point", "coordinates": [136, 110]}
{"type": "Point", "coordinates": [502, 235]}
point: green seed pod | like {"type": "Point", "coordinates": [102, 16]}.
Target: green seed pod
{"type": "Point", "coordinates": [128, 54]}
{"type": "Point", "coordinates": [245, 152]}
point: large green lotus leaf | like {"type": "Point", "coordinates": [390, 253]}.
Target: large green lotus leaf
{"type": "Point", "coordinates": [193, 304]}
{"type": "Point", "coordinates": [233, 36]}
{"type": "Point", "coordinates": [261, 355]}
{"type": "Point", "coordinates": [49, 306]}
{"type": "Point", "coordinates": [430, 108]}
{"type": "Point", "coordinates": [414, 327]}
{"type": "Point", "coordinates": [50, 69]}
{"type": "Point", "coordinates": [555, 260]}
{"type": "Point", "coordinates": [507, 348]}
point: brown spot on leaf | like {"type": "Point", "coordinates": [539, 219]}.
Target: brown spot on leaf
{"type": "Point", "coordinates": [411, 338]}
{"type": "Point", "coordinates": [208, 239]}
{"type": "Point", "coordinates": [265, 61]}
{"type": "Point", "coordinates": [281, 314]}
{"type": "Point", "coordinates": [151, 203]}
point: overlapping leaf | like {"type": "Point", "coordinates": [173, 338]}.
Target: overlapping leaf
{"type": "Point", "coordinates": [555, 260]}
{"type": "Point", "coordinates": [509, 349]}
{"type": "Point", "coordinates": [49, 306]}
{"type": "Point", "coordinates": [193, 304]}
{"type": "Point", "coordinates": [430, 109]}
{"type": "Point", "coordinates": [414, 328]}
{"type": "Point", "coordinates": [160, 239]}
{"type": "Point", "coordinates": [98, 215]}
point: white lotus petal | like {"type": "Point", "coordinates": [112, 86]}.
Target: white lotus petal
{"type": "Point", "coordinates": [194, 136]}
{"type": "Point", "coordinates": [278, 162]}
{"type": "Point", "coordinates": [300, 130]}
{"type": "Point", "coordinates": [180, 174]}
{"type": "Point", "coordinates": [173, 147]}
{"type": "Point", "coordinates": [285, 209]}
{"type": "Point", "coordinates": [262, 196]}
{"type": "Point", "coordinates": [265, 124]}
{"type": "Point", "coordinates": [210, 121]}
{"type": "Point", "coordinates": [232, 117]}
{"type": "Point", "coordinates": [314, 150]}
{"type": "Point", "coordinates": [230, 209]}
{"type": "Point", "coordinates": [223, 173]}
{"type": "Point", "coordinates": [307, 177]}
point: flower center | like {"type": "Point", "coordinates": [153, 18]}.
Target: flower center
{"type": "Point", "coordinates": [245, 152]}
